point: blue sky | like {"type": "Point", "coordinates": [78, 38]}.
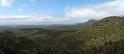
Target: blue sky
{"type": "Point", "coordinates": [19, 12]}
{"type": "Point", "coordinates": [57, 7]}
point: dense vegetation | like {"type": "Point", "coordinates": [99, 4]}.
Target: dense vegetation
{"type": "Point", "coordinates": [102, 37]}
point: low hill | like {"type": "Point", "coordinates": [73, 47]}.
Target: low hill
{"type": "Point", "coordinates": [108, 29]}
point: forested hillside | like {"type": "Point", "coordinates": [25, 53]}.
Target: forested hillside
{"type": "Point", "coordinates": [105, 36]}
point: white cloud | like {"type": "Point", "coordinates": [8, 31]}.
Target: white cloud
{"type": "Point", "coordinates": [98, 11]}
{"type": "Point", "coordinates": [21, 19]}
{"type": "Point", "coordinates": [33, 19]}
{"type": "Point", "coordinates": [20, 9]}
{"type": "Point", "coordinates": [6, 3]}
{"type": "Point", "coordinates": [72, 14]}
{"type": "Point", "coordinates": [33, 1]}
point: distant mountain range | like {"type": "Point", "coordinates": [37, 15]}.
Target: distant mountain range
{"type": "Point", "coordinates": [53, 26]}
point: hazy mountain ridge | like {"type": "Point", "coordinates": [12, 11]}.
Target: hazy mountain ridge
{"type": "Point", "coordinates": [71, 27]}
{"type": "Point", "coordinates": [75, 26]}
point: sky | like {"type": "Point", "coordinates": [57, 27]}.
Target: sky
{"type": "Point", "coordinates": [45, 12]}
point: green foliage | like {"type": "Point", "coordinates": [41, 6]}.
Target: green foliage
{"type": "Point", "coordinates": [103, 37]}
{"type": "Point", "coordinates": [110, 28]}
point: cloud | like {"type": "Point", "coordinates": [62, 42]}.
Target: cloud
{"type": "Point", "coordinates": [32, 1]}
{"type": "Point", "coordinates": [6, 3]}
{"type": "Point", "coordinates": [21, 19]}
{"type": "Point", "coordinates": [71, 15]}
{"type": "Point", "coordinates": [20, 9]}
{"type": "Point", "coordinates": [33, 20]}
{"type": "Point", "coordinates": [98, 11]}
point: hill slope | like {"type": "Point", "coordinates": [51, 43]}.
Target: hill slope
{"type": "Point", "coordinates": [107, 29]}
